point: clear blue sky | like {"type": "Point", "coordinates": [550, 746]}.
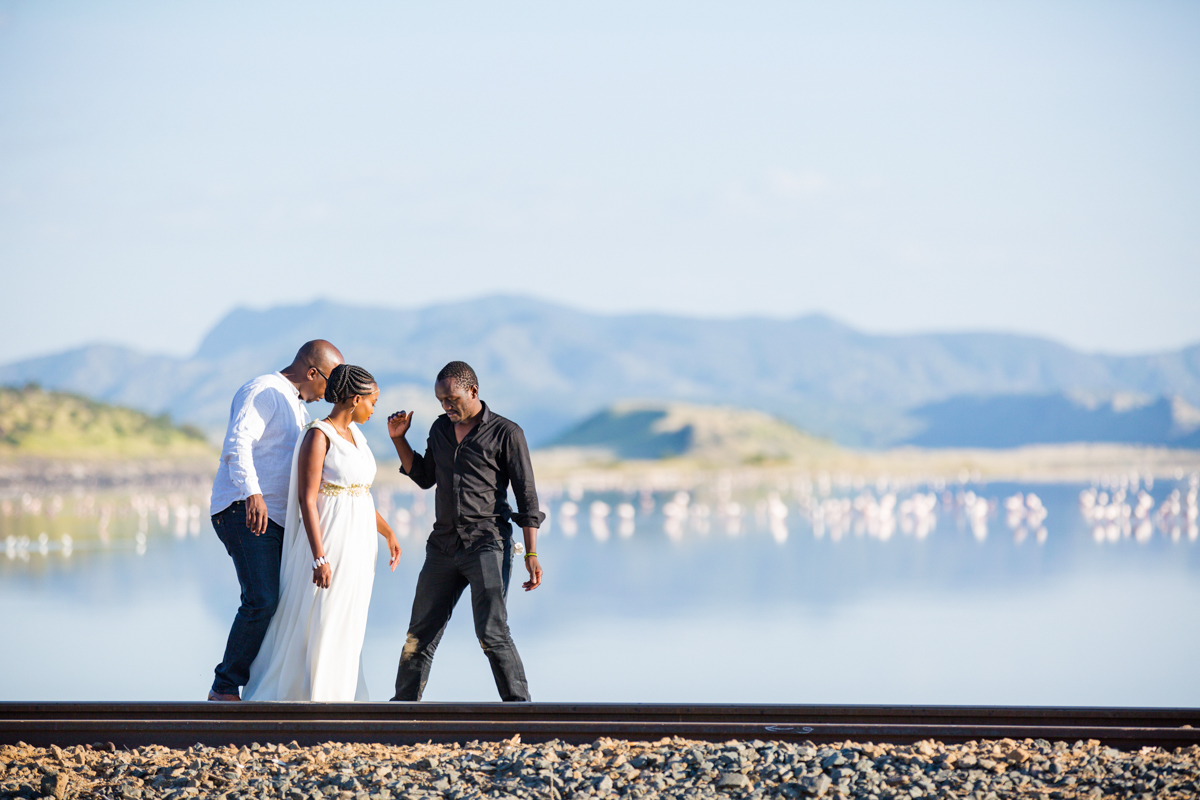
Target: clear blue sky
{"type": "Point", "coordinates": [911, 166]}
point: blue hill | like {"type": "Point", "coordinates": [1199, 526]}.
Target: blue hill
{"type": "Point", "coordinates": [549, 366]}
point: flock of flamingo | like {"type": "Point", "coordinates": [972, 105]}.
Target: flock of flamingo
{"type": "Point", "coordinates": [1114, 508]}
{"type": "Point", "coordinates": [1129, 512]}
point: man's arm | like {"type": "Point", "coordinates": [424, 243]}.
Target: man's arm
{"type": "Point", "coordinates": [250, 419]}
{"type": "Point", "coordinates": [419, 468]}
{"type": "Point", "coordinates": [529, 516]}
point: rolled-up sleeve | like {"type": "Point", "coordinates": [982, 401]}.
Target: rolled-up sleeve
{"type": "Point", "coordinates": [423, 473]}
{"type": "Point", "coordinates": [251, 412]}
{"type": "Point", "coordinates": [520, 477]}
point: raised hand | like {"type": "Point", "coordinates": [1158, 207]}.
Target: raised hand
{"type": "Point", "coordinates": [399, 423]}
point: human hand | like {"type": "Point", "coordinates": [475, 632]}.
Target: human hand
{"type": "Point", "coordinates": [322, 575]}
{"type": "Point", "coordinates": [399, 423]}
{"type": "Point", "coordinates": [394, 549]}
{"type": "Point", "coordinates": [256, 514]}
{"type": "Point", "coordinates": [535, 574]}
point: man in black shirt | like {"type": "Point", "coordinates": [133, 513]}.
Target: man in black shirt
{"type": "Point", "coordinates": [473, 456]}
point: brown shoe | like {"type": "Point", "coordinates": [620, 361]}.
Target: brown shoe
{"type": "Point", "coordinates": [223, 698]}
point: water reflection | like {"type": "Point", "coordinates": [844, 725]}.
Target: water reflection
{"type": "Point", "coordinates": [791, 589]}
{"type": "Point", "coordinates": [69, 524]}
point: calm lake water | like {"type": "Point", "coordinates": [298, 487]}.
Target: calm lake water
{"type": "Point", "coordinates": [803, 592]}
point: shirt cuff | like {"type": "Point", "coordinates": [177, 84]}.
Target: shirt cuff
{"type": "Point", "coordinates": [529, 520]}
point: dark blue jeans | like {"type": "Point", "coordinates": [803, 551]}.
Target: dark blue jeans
{"type": "Point", "coordinates": [256, 559]}
{"type": "Point", "coordinates": [486, 570]}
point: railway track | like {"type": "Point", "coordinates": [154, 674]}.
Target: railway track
{"type": "Point", "coordinates": [184, 724]}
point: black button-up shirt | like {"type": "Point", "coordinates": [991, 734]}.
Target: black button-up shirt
{"type": "Point", "coordinates": [472, 480]}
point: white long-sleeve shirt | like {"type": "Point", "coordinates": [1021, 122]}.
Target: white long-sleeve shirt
{"type": "Point", "coordinates": [265, 419]}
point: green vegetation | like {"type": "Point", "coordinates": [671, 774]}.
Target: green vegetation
{"type": "Point", "coordinates": [35, 422]}
{"type": "Point", "coordinates": [632, 442]}
{"type": "Point", "coordinates": [706, 434]}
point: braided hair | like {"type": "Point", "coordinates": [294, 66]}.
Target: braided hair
{"type": "Point", "coordinates": [346, 381]}
{"type": "Point", "coordinates": [459, 372]}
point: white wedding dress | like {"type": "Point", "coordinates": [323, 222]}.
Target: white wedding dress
{"type": "Point", "coordinates": [313, 646]}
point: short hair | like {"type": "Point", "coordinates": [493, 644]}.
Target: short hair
{"type": "Point", "coordinates": [459, 372]}
{"type": "Point", "coordinates": [346, 381]}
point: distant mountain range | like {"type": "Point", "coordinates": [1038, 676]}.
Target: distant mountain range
{"type": "Point", "coordinates": [549, 367]}
{"type": "Point", "coordinates": [1014, 420]}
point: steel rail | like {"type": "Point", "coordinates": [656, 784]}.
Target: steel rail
{"type": "Point", "coordinates": [183, 724]}
{"type": "Point", "coordinates": [631, 712]}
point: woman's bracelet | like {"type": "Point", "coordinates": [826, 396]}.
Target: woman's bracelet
{"type": "Point", "coordinates": [527, 555]}
{"type": "Point", "coordinates": [320, 562]}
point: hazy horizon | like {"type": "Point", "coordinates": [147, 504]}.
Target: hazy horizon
{"type": "Point", "coordinates": [191, 352]}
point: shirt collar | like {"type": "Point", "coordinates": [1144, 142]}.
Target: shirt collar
{"type": "Point", "coordinates": [290, 385]}
{"type": "Point", "coordinates": [484, 417]}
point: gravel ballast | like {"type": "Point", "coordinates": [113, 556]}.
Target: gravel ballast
{"type": "Point", "coordinates": [674, 768]}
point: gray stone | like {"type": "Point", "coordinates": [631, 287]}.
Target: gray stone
{"type": "Point", "coordinates": [816, 786]}
{"type": "Point", "coordinates": [604, 785]}
{"type": "Point", "coordinates": [835, 760]}
{"type": "Point", "coordinates": [441, 784]}
{"type": "Point", "coordinates": [733, 780]}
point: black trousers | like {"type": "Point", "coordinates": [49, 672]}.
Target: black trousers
{"type": "Point", "coordinates": [442, 581]}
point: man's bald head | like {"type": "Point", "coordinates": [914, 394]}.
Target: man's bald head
{"type": "Point", "coordinates": [309, 371]}
{"type": "Point", "coordinates": [318, 353]}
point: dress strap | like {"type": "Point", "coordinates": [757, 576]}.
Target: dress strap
{"type": "Point", "coordinates": [325, 428]}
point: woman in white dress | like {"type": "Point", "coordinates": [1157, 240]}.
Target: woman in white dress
{"type": "Point", "coordinates": [313, 646]}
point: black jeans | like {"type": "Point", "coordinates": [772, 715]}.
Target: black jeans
{"type": "Point", "coordinates": [256, 559]}
{"type": "Point", "coordinates": [486, 570]}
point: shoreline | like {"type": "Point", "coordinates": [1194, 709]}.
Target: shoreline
{"type": "Point", "coordinates": [43, 474]}
{"type": "Point", "coordinates": [557, 470]}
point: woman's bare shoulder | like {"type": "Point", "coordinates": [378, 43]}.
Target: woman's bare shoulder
{"type": "Point", "coordinates": [314, 436]}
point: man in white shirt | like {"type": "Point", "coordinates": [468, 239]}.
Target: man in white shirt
{"type": "Point", "coordinates": [250, 496]}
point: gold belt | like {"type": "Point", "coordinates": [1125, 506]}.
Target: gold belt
{"type": "Point", "coordinates": [354, 489]}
